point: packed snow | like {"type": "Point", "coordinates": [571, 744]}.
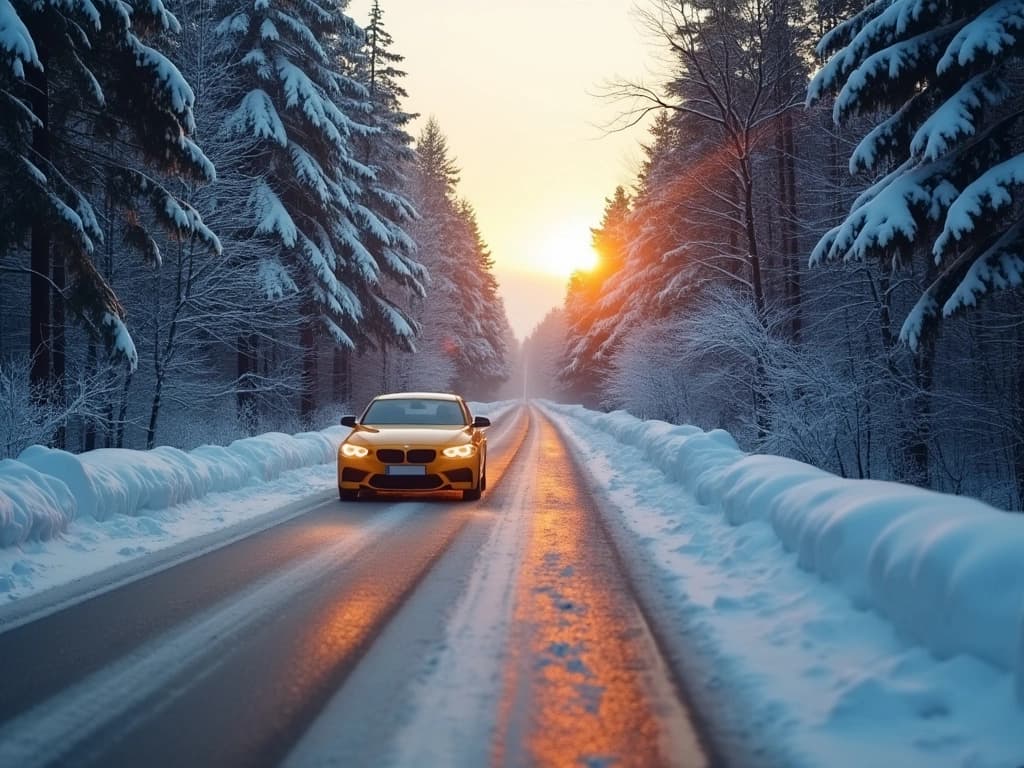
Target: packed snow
{"type": "Point", "coordinates": [836, 622]}
{"type": "Point", "coordinates": [46, 483]}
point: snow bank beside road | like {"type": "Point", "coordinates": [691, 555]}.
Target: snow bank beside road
{"type": "Point", "coordinates": [788, 671]}
{"type": "Point", "coordinates": [44, 489]}
{"type": "Point", "coordinates": [946, 571]}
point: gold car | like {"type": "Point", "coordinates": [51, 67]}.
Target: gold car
{"type": "Point", "coordinates": [414, 441]}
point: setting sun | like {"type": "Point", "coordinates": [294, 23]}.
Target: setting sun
{"type": "Point", "coordinates": [565, 250]}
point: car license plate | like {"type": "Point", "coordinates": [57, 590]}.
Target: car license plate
{"type": "Point", "coordinates": [406, 469]}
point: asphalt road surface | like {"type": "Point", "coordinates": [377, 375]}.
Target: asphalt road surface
{"type": "Point", "coordinates": [390, 631]}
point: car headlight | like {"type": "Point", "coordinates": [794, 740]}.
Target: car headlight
{"type": "Point", "coordinates": [353, 451]}
{"type": "Point", "coordinates": [460, 451]}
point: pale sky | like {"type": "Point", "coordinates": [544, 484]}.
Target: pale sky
{"type": "Point", "coordinates": [512, 86]}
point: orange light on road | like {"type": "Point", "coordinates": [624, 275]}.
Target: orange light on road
{"type": "Point", "coordinates": [585, 683]}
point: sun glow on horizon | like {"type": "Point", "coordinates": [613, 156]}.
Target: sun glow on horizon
{"type": "Point", "coordinates": [564, 250]}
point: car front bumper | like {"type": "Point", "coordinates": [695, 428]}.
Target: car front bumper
{"type": "Point", "coordinates": [442, 474]}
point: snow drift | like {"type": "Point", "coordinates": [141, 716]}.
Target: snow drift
{"type": "Point", "coordinates": [44, 489]}
{"type": "Point", "coordinates": [946, 571]}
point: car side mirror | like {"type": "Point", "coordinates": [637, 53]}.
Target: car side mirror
{"type": "Point", "coordinates": [348, 421]}
{"type": "Point", "coordinates": [481, 421]}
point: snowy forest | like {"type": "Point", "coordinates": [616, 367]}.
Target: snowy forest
{"type": "Point", "coordinates": [214, 222]}
{"type": "Point", "coordinates": [814, 253]}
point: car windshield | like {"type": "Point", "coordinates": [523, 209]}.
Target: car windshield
{"type": "Point", "coordinates": [415, 411]}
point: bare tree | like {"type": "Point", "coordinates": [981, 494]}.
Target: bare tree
{"type": "Point", "coordinates": [729, 78]}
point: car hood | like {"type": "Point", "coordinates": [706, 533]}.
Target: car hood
{"type": "Point", "coordinates": [432, 436]}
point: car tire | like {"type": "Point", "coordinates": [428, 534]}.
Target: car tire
{"type": "Point", "coordinates": [346, 495]}
{"type": "Point", "coordinates": [474, 493]}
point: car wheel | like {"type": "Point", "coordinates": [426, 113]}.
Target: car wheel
{"type": "Point", "coordinates": [474, 493]}
{"type": "Point", "coordinates": [346, 495]}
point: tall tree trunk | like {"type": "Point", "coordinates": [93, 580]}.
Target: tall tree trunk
{"type": "Point", "coordinates": [1018, 421]}
{"type": "Point", "coordinates": [247, 353]}
{"type": "Point", "coordinates": [753, 252]}
{"type": "Point", "coordinates": [790, 243]}
{"type": "Point", "coordinates": [40, 327]}
{"type": "Point", "coordinates": [734, 236]}
{"type": "Point", "coordinates": [154, 410]}
{"type": "Point", "coordinates": [310, 373]}
{"type": "Point", "coordinates": [89, 431]}
{"type": "Point", "coordinates": [159, 371]}
{"type": "Point", "coordinates": [339, 375]}
{"type": "Point", "coordinates": [754, 256]}
{"type": "Point", "coordinates": [122, 413]}
{"type": "Point", "coordinates": [58, 391]}
{"type": "Point", "coordinates": [919, 434]}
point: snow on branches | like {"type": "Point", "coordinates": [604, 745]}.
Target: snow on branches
{"type": "Point", "coordinates": [943, 68]}
{"type": "Point", "coordinates": [133, 124]}
{"type": "Point", "coordinates": [305, 114]}
{"type": "Point", "coordinates": [16, 43]}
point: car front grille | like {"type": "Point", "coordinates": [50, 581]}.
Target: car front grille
{"type": "Point", "coordinates": [406, 482]}
{"type": "Point", "coordinates": [415, 456]}
{"type": "Point", "coordinates": [390, 456]}
{"type": "Point", "coordinates": [420, 456]}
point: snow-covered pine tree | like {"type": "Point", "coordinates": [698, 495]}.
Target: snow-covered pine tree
{"type": "Point", "coordinates": [484, 361]}
{"type": "Point", "coordinates": [463, 316]}
{"type": "Point", "coordinates": [438, 170]}
{"type": "Point", "coordinates": [306, 116]}
{"type": "Point", "coordinates": [433, 178]}
{"type": "Point", "coordinates": [949, 151]}
{"type": "Point", "coordinates": [387, 211]}
{"type": "Point", "coordinates": [87, 107]}
{"type": "Point", "coordinates": [597, 303]}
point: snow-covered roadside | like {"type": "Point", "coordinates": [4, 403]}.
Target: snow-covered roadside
{"type": "Point", "coordinates": [44, 489]}
{"type": "Point", "coordinates": [130, 544]}
{"type": "Point", "coordinates": [832, 622]}
{"type": "Point", "coordinates": [113, 509]}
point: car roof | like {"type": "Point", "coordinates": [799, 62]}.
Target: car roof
{"type": "Point", "coordinates": [418, 396]}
